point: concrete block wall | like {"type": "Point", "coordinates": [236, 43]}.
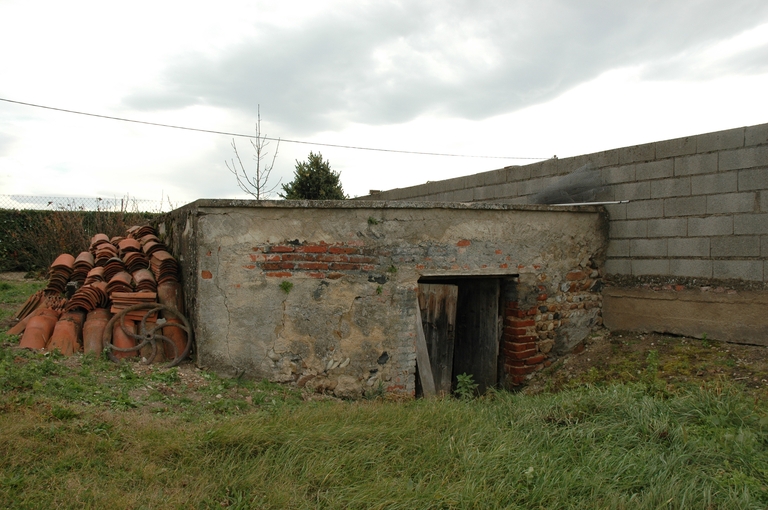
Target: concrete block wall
{"type": "Point", "coordinates": [697, 206]}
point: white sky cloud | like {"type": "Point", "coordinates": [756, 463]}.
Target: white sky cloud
{"type": "Point", "coordinates": [503, 78]}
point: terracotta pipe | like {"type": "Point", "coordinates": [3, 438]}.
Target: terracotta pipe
{"type": "Point", "coordinates": [93, 330]}
{"type": "Point", "coordinates": [39, 329]}
{"type": "Point", "coordinates": [178, 336]}
{"type": "Point", "coordinates": [122, 340]}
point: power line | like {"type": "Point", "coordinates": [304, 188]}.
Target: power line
{"type": "Point", "coordinates": [241, 135]}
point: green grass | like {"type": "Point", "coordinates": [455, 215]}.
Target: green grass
{"type": "Point", "coordinates": [103, 435]}
{"type": "Point", "coordinates": [83, 432]}
{"type": "Point", "coordinates": [14, 294]}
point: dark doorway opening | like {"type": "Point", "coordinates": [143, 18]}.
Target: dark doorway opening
{"type": "Point", "coordinates": [462, 320]}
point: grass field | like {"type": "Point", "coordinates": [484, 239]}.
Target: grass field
{"type": "Point", "coordinates": [82, 432]}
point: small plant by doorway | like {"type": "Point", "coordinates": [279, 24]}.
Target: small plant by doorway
{"type": "Point", "coordinates": [465, 386]}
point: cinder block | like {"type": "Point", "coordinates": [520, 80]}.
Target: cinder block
{"type": "Point", "coordinates": [474, 181]}
{"type": "Point", "coordinates": [672, 227]}
{"type": "Point", "coordinates": [618, 248]}
{"type": "Point", "coordinates": [462, 195]}
{"type": "Point", "coordinates": [605, 158]}
{"type": "Point", "coordinates": [764, 247]}
{"type": "Point", "coordinates": [551, 167]}
{"type": "Point", "coordinates": [678, 187]}
{"type": "Point", "coordinates": [532, 186]}
{"type": "Point", "coordinates": [568, 165]}
{"type": "Point", "coordinates": [618, 266]}
{"type": "Point", "coordinates": [655, 169]}
{"type": "Point", "coordinates": [518, 173]}
{"type": "Point", "coordinates": [648, 247]}
{"type": "Point", "coordinates": [616, 211]}
{"type": "Point", "coordinates": [628, 229]}
{"type": "Point", "coordinates": [503, 190]}
{"type": "Point", "coordinates": [720, 140]}
{"type": "Point", "coordinates": [514, 201]}
{"type": "Point", "coordinates": [632, 191]}
{"type": "Point", "coordinates": [735, 246]}
{"type": "Point", "coordinates": [745, 224]}
{"type": "Point", "coordinates": [710, 226]}
{"type": "Point", "coordinates": [755, 179]}
{"type": "Point", "coordinates": [699, 164]}
{"type": "Point", "coordinates": [506, 190]}
{"type": "Point", "coordinates": [765, 271]}
{"type": "Point", "coordinates": [692, 268]}
{"type": "Point", "coordinates": [605, 194]}
{"type": "Point", "coordinates": [756, 135]}
{"type": "Point", "coordinates": [650, 266]}
{"type": "Point", "coordinates": [645, 209]}
{"type": "Point", "coordinates": [485, 193]}
{"type": "Point", "coordinates": [637, 153]}
{"type": "Point", "coordinates": [732, 203]}
{"type": "Point", "coordinates": [713, 183]}
{"type": "Point", "coordinates": [676, 147]}
{"type": "Point", "coordinates": [685, 206]}
{"type": "Point", "coordinates": [764, 200]}
{"type": "Point", "coordinates": [617, 174]}
{"type": "Point", "coordinates": [438, 197]}
{"type": "Point", "coordinates": [494, 177]}
{"type": "Point", "coordinates": [388, 195]}
{"type": "Point", "coordinates": [445, 185]}
{"type": "Point", "coordinates": [750, 157]}
{"type": "Point", "coordinates": [751, 270]}
{"type": "Point", "coordinates": [688, 247]}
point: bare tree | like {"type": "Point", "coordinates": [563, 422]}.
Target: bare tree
{"type": "Point", "coordinates": [257, 184]}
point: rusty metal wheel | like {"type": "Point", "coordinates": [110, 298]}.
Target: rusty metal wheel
{"type": "Point", "coordinates": [151, 335]}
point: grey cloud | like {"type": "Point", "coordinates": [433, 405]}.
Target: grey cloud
{"type": "Point", "coordinates": [751, 61]}
{"type": "Point", "coordinates": [328, 72]}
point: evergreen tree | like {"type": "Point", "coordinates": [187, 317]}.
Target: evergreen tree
{"type": "Point", "coordinates": [314, 180]}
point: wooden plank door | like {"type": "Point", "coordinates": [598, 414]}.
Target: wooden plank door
{"type": "Point", "coordinates": [477, 337]}
{"type": "Point", "coordinates": [438, 316]}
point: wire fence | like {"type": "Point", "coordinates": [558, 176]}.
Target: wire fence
{"type": "Point", "coordinates": [124, 204]}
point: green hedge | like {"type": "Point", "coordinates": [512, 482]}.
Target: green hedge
{"type": "Point", "coordinates": [30, 240]}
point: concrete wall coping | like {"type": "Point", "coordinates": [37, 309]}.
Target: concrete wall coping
{"type": "Point", "coordinates": [741, 297]}
{"type": "Point", "coordinates": [205, 203]}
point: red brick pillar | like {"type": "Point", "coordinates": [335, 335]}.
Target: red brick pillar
{"type": "Point", "coordinates": [519, 344]}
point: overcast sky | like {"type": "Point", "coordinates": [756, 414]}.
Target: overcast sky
{"type": "Point", "coordinates": [524, 79]}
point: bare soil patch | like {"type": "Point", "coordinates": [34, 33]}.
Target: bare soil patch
{"type": "Point", "coordinates": [14, 276]}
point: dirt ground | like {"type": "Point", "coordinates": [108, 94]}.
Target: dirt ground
{"type": "Point", "coordinates": [13, 277]}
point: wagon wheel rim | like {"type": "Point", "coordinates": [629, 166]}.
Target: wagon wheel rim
{"type": "Point", "coordinates": [151, 336]}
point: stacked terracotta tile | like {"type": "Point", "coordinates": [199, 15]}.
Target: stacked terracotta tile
{"type": "Point", "coordinates": [112, 267]}
{"type": "Point", "coordinates": [83, 265]}
{"type": "Point", "coordinates": [120, 282]}
{"type": "Point", "coordinates": [95, 275]}
{"type": "Point", "coordinates": [89, 297]}
{"type": "Point", "coordinates": [38, 301]}
{"type": "Point", "coordinates": [61, 270]}
{"type": "Point", "coordinates": [128, 245]}
{"type": "Point", "coordinates": [145, 280]}
{"type": "Point", "coordinates": [111, 276]}
{"type": "Point", "coordinates": [139, 232]}
{"type": "Point", "coordinates": [123, 300]}
{"type": "Point", "coordinates": [164, 267]}
{"type": "Point", "coordinates": [135, 260]}
{"type": "Point", "coordinates": [103, 251]}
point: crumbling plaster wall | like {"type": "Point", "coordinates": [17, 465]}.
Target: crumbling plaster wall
{"type": "Point", "coordinates": [323, 294]}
